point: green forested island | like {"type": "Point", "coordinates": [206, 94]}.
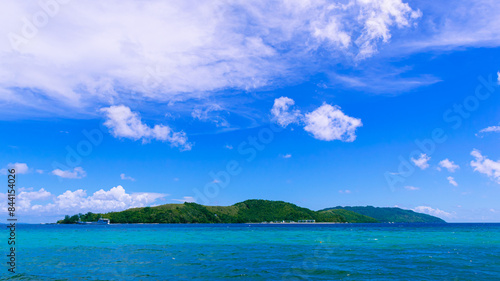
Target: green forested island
{"type": "Point", "coordinates": [252, 211]}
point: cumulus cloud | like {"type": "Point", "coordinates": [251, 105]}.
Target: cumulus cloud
{"type": "Point", "coordinates": [124, 177]}
{"type": "Point", "coordinates": [449, 165]}
{"type": "Point", "coordinates": [20, 168]}
{"type": "Point", "coordinates": [486, 166]}
{"type": "Point", "coordinates": [330, 123]}
{"type": "Point", "coordinates": [346, 191]}
{"type": "Point", "coordinates": [412, 188]}
{"type": "Point", "coordinates": [432, 211]}
{"type": "Point", "coordinates": [72, 202]}
{"type": "Point", "coordinates": [452, 181]}
{"type": "Point", "coordinates": [77, 173]}
{"type": "Point", "coordinates": [171, 50]}
{"type": "Point", "coordinates": [286, 156]}
{"type": "Point", "coordinates": [326, 123]}
{"type": "Point", "coordinates": [26, 196]}
{"type": "Point", "coordinates": [124, 123]}
{"type": "Point", "coordinates": [282, 114]}
{"type": "Point", "coordinates": [422, 161]}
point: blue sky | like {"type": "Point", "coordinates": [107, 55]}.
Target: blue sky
{"type": "Point", "coordinates": [108, 106]}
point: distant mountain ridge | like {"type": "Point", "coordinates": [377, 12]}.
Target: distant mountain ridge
{"type": "Point", "coordinates": [249, 211]}
{"type": "Point", "coordinates": [391, 214]}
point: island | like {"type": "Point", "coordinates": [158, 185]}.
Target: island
{"type": "Point", "coordinates": [254, 211]}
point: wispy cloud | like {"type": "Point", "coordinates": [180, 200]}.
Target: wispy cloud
{"type": "Point", "coordinates": [77, 173]}
{"type": "Point", "coordinates": [145, 54]}
{"type": "Point", "coordinates": [286, 156]}
{"type": "Point", "coordinates": [452, 181]}
{"type": "Point", "coordinates": [124, 177]}
{"type": "Point", "coordinates": [210, 113]}
{"type": "Point", "coordinates": [491, 129]}
{"type": "Point", "coordinates": [412, 188]}
{"type": "Point", "coordinates": [382, 80]}
{"type": "Point", "coordinates": [188, 199]}
{"type": "Point", "coordinates": [456, 24]}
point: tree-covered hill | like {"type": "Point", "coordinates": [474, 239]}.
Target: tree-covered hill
{"type": "Point", "coordinates": [397, 215]}
{"type": "Point", "coordinates": [248, 211]}
{"type": "Point", "coordinates": [243, 212]}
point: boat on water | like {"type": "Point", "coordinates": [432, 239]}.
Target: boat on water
{"type": "Point", "coordinates": [99, 221]}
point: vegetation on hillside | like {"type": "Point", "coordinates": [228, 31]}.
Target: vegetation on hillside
{"type": "Point", "coordinates": [349, 216]}
{"type": "Point", "coordinates": [396, 215]}
{"type": "Point", "coordinates": [255, 211]}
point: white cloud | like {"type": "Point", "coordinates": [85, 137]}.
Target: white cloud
{"type": "Point", "coordinates": [210, 112]}
{"type": "Point", "coordinates": [177, 50]}
{"type": "Point", "coordinates": [281, 113]}
{"type": "Point", "coordinates": [347, 191]}
{"type": "Point", "coordinates": [449, 165]}
{"type": "Point", "coordinates": [26, 196]}
{"type": "Point", "coordinates": [455, 24]}
{"type": "Point", "coordinates": [77, 173]}
{"type": "Point", "coordinates": [452, 181]}
{"type": "Point", "coordinates": [188, 199]}
{"type": "Point", "coordinates": [39, 171]}
{"type": "Point", "coordinates": [421, 162]}
{"type": "Point", "coordinates": [413, 188]}
{"type": "Point", "coordinates": [491, 129]}
{"type": "Point", "coordinates": [330, 123]}
{"type": "Point", "coordinates": [377, 17]}
{"type": "Point", "coordinates": [124, 123]}
{"type": "Point", "coordinates": [498, 77]}
{"type": "Point", "coordinates": [115, 199]}
{"type": "Point", "coordinates": [286, 156]}
{"type": "Point", "coordinates": [326, 123]}
{"type": "Point", "coordinates": [380, 79]}
{"type": "Point", "coordinates": [124, 177]}
{"type": "Point", "coordinates": [485, 166]}
{"type": "Point", "coordinates": [20, 168]}
{"type": "Point", "coordinates": [228, 146]}
{"type": "Point", "coordinates": [431, 211]}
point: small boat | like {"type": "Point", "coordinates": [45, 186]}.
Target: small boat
{"type": "Point", "coordinates": [102, 221]}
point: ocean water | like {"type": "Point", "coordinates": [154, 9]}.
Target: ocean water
{"type": "Point", "coordinates": [257, 252]}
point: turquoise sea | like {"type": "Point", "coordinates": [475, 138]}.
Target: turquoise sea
{"type": "Point", "coordinates": [257, 252]}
